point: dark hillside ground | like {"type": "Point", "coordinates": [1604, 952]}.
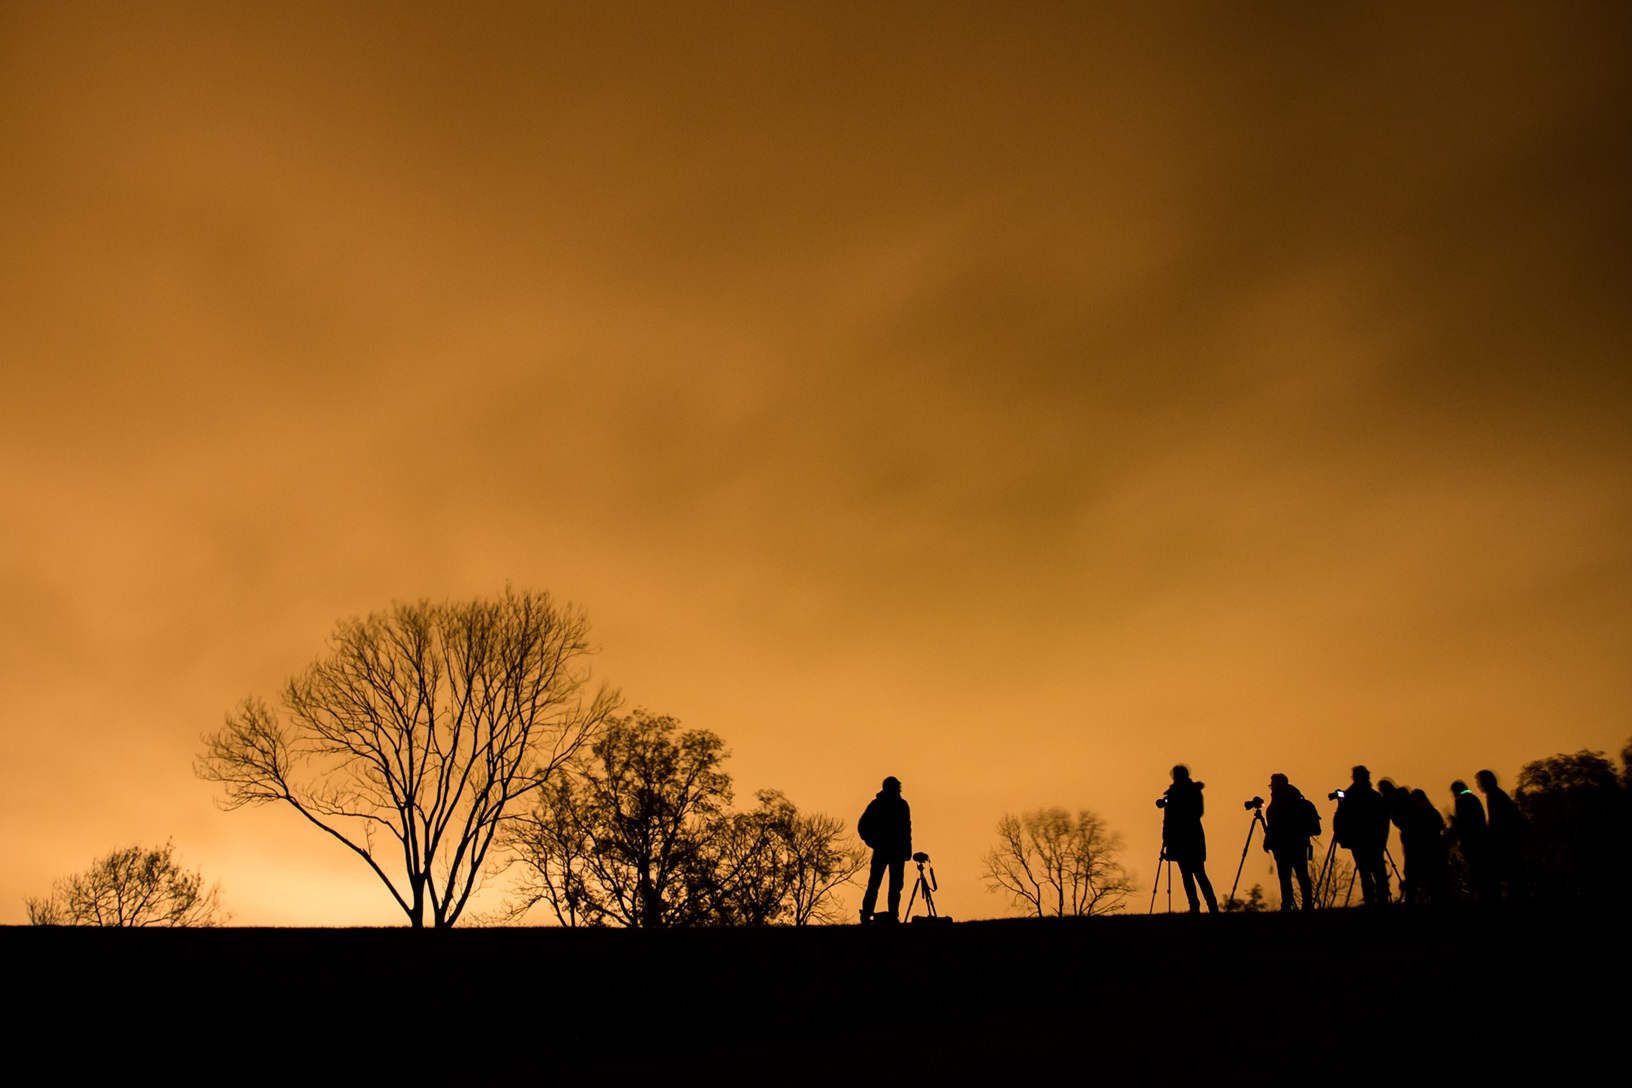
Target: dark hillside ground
{"type": "Point", "coordinates": [1457, 989]}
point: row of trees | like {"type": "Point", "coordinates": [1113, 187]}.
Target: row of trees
{"type": "Point", "coordinates": [439, 743]}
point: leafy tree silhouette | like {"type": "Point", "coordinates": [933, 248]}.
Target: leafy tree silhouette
{"type": "Point", "coordinates": [1254, 903]}
{"type": "Point", "coordinates": [1580, 840]}
{"type": "Point", "coordinates": [640, 833]}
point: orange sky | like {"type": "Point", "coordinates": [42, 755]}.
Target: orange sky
{"type": "Point", "coordinates": [1016, 399]}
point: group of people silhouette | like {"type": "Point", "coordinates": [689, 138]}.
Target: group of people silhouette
{"type": "Point", "coordinates": [1488, 837]}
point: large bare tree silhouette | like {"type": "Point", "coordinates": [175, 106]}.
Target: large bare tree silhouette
{"type": "Point", "coordinates": [1052, 863]}
{"type": "Point", "coordinates": [412, 738]}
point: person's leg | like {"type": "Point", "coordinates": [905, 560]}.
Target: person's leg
{"type": "Point", "coordinates": [1189, 885]}
{"type": "Point", "coordinates": [1206, 888]}
{"type": "Point", "coordinates": [875, 875]}
{"type": "Point", "coordinates": [1283, 869]}
{"type": "Point", "coordinates": [898, 877]}
{"type": "Point", "coordinates": [1362, 870]}
{"type": "Point", "coordinates": [1373, 876]}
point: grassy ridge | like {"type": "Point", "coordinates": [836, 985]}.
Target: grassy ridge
{"type": "Point", "coordinates": [1131, 989]}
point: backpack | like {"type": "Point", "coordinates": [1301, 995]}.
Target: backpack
{"type": "Point", "coordinates": [1311, 818]}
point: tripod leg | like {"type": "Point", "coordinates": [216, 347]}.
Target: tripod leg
{"type": "Point", "coordinates": [1257, 818]}
{"type": "Point", "coordinates": [1326, 870]}
{"type": "Point", "coordinates": [1156, 884]}
{"type": "Point", "coordinates": [1304, 889]}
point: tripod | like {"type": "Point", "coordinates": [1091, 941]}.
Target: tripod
{"type": "Point", "coordinates": [1161, 856]}
{"type": "Point", "coordinates": [1348, 893]}
{"type": "Point", "coordinates": [1257, 822]}
{"type": "Point", "coordinates": [928, 886]}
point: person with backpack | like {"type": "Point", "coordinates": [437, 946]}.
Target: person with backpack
{"type": "Point", "coordinates": [1290, 821]}
{"type": "Point", "coordinates": [1361, 825]}
{"type": "Point", "coordinates": [886, 826]}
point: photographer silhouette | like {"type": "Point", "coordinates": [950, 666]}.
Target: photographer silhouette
{"type": "Point", "coordinates": [886, 826]}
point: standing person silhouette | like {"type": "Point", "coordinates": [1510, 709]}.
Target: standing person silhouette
{"type": "Point", "coordinates": [886, 826]}
{"type": "Point", "coordinates": [1182, 838]}
{"type": "Point", "coordinates": [1423, 837]}
{"type": "Point", "coordinates": [1505, 828]}
{"type": "Point", "coordinates": [1361, 824]}
{"type": "Point", "coordinates": [1289, 822]}
{"type": "Point", "coordinates": [1472, 838]}
{"type": "Point", "coordinates": [1397, 803]}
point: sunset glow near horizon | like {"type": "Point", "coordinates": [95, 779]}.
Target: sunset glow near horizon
{"type": "Point", "coordinates": [1016, 399]}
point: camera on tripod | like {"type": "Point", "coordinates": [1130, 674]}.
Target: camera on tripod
{"type": "Point", "coordinates": [926, 886]}
{"type": "Point", "coordinates": [1255, 804]}
{"type": "Point", "coordinates": [1335, 795]}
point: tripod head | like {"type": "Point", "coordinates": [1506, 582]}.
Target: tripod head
{"type": "Point", "coordinates": [923, 859]}
{"type": "Point", "coordinates": [925, 886]}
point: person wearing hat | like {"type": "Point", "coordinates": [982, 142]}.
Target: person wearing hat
{"type": "Point", "coordinates": [886, 827]}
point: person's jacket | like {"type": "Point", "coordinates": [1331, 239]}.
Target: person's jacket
{"type": "Point", "coordinates": [886, 826]}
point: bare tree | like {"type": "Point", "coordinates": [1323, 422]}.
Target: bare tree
{"type": "Point", "coordinates": [1335, 883]}
{"type": "Point", "coordinates": [131, 887]}
{"type": "Point", "coordinates": [777, 864]}
{"type": "Point", "coordinates": [1052, 864]}
{"type": "Point", "coordinates": [412, 738]}
{"type": "Point", "coordinates": [822, 857]}
{"type": "Point", "coordinates": [640, 833]}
